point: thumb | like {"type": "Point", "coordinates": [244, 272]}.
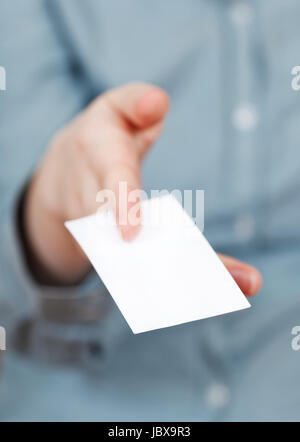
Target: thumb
{"type": "Point", "coordinates": [141, 105]}
{"type": "Point", "coordinates": [124, 181]}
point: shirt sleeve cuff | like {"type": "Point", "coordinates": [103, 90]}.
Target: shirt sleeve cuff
{"type": "Point", "coordinates": [64, 312]}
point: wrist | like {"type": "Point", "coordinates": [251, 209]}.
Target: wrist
{"type": "Point", "coordinates": [52, 255]}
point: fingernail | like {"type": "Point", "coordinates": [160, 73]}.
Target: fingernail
{"type": "Point", "coordinates": [129, 233]}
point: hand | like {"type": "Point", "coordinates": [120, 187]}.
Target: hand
{"type": "Point", "coordinates": [100, 148]}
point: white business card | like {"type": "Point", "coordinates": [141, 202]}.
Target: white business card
{"type": "Point", "coordinates": [167, 276]}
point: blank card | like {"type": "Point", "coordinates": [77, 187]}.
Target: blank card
{"type": "Point", "coordinates": [167, 276]}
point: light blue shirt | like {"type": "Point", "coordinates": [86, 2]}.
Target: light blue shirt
{"type": "Point", "coordinates": [234, 131]}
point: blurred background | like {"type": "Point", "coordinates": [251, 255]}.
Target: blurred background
{"type": "Point", "coordinates": [233, 130]}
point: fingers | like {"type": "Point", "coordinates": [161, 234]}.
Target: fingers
{"type": "Point", "coordinates": [124, 181]}
{"type": "Point", "coordinates": [142, 105]}
{"type": "Point", "coordinates": [248, 278]}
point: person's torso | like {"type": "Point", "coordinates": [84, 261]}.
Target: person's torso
{"type": "Point", "coordinates": [234, 125]}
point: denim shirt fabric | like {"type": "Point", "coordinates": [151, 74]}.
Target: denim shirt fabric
{"type": "Point", "coordinates": [233, 131]}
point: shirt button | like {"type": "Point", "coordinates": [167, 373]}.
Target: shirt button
{"type": "Point", "coordinates": [94, 349]}
{"type": "Point", "coordinates": [241, 13]}
{"type": "Point", "coordinates": [217, 396]}
{"type": "Point", "coordinates": [244, 227]}
{"type": "Point", "coordinates": [244, 118]}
